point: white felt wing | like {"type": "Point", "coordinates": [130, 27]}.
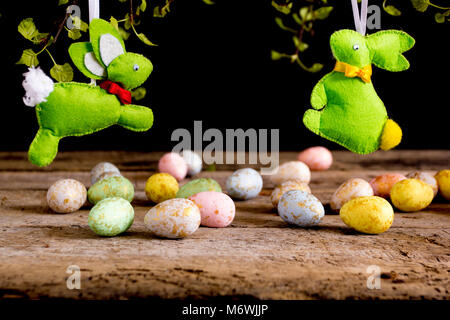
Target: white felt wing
{"type": "Point", "coordinates": [92, 64]}
{"type": "Point", "coordinates": [110, 48]}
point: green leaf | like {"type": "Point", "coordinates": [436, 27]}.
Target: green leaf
{"type": "Point", "coordinates": [145, 40]}
{"type": "Point", "coordinates": [297, 19]}
{"type": "Point", "coordinates": [283, 8]}
{"type": "Point", "coordinates": [322, 13]}
{"type": "Point", "coordinates": [62, 73]}
{"type": "Point", "coordinates": [28, 58]}
{"type": "Point", "coordinates": [113, 21]}
{"type": "Point", "coordinates": [439, 17]}
{"type": "Point", "coordinates": [79, 24]}
{"type": "Point", "coordinates": [316, 67]}
{"type": "Point", "coordinates": [393, 11]}
{"type": "Point", "coordinates": [275, 55]}
{"type": "Point", "coordinates": [161, 12]}
{"type": "Point", "coordinates": [280, 23]}
{"type": "Point", "coordinates": [127, 23]}
{"type": "Point", "coordinates": [420, 5]}
{"type": "Point", "coordinates": [208, 2]}
{"type": "Point", "coordinates": [27, 29]}
{"type": "Point", "coordinates": [124, 34]}
{"type": "Point", "coordinates": [301, 46]}
{"type": "Point", "coordinates": [61, 2]}
{"type": "Point", "coordinates": [74, 33]}
{"type": "Point", "coordinates": [143, 5]}
{"type": "Point", "coordinates": [139, 93]}
{"type": "Point", "coordinates": [211, 167]}
{"type": "Point", "coordinates": [123, 0]}
{"type": "Point", "coordinates": [306, 14]}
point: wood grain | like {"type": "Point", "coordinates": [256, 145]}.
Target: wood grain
{"type": "Point", "coordinates": [258, 256]}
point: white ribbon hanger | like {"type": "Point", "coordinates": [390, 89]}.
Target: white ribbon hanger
{"type": "Point", "coordinates": [360, 21]}
{"type": "Point", "coordinates": [94, 13]}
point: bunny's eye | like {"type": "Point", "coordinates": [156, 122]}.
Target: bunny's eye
{"type": "Point", "coordinates": [135, 67]}
{"type": "Point", "coordinates": [355, 46]}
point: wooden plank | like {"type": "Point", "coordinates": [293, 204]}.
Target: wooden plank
{"type": "Point", "coordinates": [257, 256]}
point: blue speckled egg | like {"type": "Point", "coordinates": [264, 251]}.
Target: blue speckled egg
{"type": "Point", "coordinates": [244, 184]}
{"type": "Point", "coordinates": [300, 208]}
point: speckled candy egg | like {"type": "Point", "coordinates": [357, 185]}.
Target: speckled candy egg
{"type": "Point", "coordinates": [193, 161]}
{"type": "Point", "coordinates": [108, 174]}
{"type": "Point", "coordinates": [300, 208]}
{"type": "Point", "coordinates": [119, 187]}
{"type": "Point", "coordinates": [411, 195]}
{"type": "Point", "coordinates": [287, 186]}
{"type": "Point", "coordinates": [111, 217]}
{"type": "Point", "coordinates": [292, 170]}
{"type": "Point", "coordinates": [316, 158]}
{"type": "Point", "coordinates": [66, 195]}
{"type": "Point", "coordinates": [244, 184]}
{"type": "Point", "coordinates": [100, 169]}
{"type": "Point", "coordinates": [174, 218]}
{"type": "Point", "coordinates": [382, 184]}
{"type": "Point", "coordinates": [372, 215]}
{"type": "Point", "coordinates": [216, 208]}
{"type": "Point", "coordinates": [425, 177]}
{"type": "Point", "coordinates": [443, 180]}
{"type": "Point", "coordinates": [198, 185]}
{"type": "Point", "coordinates": [173, 164]}
{"type": "Point", "coordinates": [349, 190]}
{"type": "Point", "coordinates": [161, 187]}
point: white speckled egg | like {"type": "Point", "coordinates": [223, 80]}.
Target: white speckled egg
{"type": "Point", "coordinates": [66, 195]}
{"type": "Point", "coordinates": [108, 174]}
{"type": "Point", "coordinates": [300, 208]}
{"type": "Point", "coordinates": [349, 190]}
{"type": "Point", "coordinates": [244, 184]}
{"type": "Point", "coordinates": [101, 168]}
{"type": "Point", "coordinates": [111, 217]}
{"type": "Point", "coordinates": [174, 218]}
{"type": "Point", "coordinates": [425, 177]}
{"type": "Point", "coordinates": [292, 170]}
{"type": "Point", "coordinates": [193, 161]}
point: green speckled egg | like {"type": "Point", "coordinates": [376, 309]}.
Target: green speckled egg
{"type": "Point", "coordinates": [111, 216]}
{"type": "Point", "coordinates": [197, 186]}
{"type": "Point", "coordinates": [111, 187]}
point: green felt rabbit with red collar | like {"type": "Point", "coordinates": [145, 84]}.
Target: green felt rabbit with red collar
{"type": "Point", "coordinates": [346, 107]}
{"type": "Point", "coordinates": [75, 109]}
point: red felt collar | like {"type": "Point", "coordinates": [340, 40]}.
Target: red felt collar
{"type": "Point", "coordinates": [122, 94]}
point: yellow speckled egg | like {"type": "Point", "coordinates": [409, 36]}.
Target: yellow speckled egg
{"type": "Point", "coordinates": [349, 190]}
{"type": "Point", "coordinates": [174, 218]}
{"type": "Point", "coordinates": [425, 177]}
{"type": "Point", "coordinates": [287, 186]}
{"type": "Point", "coordinates": [411, 195]}
{"type": "Point", "coordinates": [443, 180]}
{"type": "Point", "coordinates": [66, 195]}
{"type": "Point", "coordinates": [161, 187]}
{"type": "Point", "coordinates": [292, 170]}
{"type": "Point", "coordinates": [369, 214]}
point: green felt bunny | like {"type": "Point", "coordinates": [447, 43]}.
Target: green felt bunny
{"type": "Point", "coordinates": [347, 110]}
{"type": "Point", "coordinates": [75, 109]}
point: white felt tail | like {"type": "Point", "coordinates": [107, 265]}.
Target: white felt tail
{"type": "Point", "coordinates": [37, 85]}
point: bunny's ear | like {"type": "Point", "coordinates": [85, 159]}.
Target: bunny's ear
{"type": "Point", "coordinates": [84, 59]}
{"type": "Point", "coordinates": [386, 48]}
{"type": "Point", "coordinates": [106, 41]}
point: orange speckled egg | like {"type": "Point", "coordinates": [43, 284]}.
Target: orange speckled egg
{"type": "Point", "coordinates": [287, 186]}
{"type": "Point", "coordinates": [216, 208]}
{"type": "Point", "coordinates": [316, 158]}
{"type": "Point", "coordinates": [382, 184]}
{"type": "Point", "coordinates": [349, 190]}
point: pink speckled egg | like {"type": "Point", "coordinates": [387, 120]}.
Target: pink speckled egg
{"type": "Point", "coordinates": [425, 177]}
{"type": "Point", "coordinates": [316, 158]}
{"type": "Point", "coordinates": [216, 208]}
{"type": "Point", "coordinates": [173, 164]}
{"type": "Point", "coordinates": [349, 190]}
{"type": "Point", "coordinates": [383, 184]}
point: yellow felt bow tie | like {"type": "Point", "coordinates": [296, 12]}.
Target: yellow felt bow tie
{"type": "Point", "coordinates": [351, 71]}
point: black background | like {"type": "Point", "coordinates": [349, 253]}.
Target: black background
{"type": "Point", "coordinates": [213, 64]}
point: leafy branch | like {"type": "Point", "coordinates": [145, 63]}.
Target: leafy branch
{"type": "Point", "coordinates": [299, 19]}
{"type": "Point", "coordinates": [441, 16]}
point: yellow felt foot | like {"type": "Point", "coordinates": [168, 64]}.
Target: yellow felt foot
{"type": "Point", "coordinates": [391, 136]}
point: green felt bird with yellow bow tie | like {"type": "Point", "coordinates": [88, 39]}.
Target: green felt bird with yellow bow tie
{"type": "Point", "coordinates": [346, 107]}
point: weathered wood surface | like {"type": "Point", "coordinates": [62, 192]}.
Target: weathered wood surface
{"type": "Point", "coordinates": [258, 256]}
